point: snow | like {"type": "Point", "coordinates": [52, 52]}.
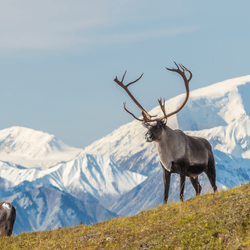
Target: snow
{"type": "Point", "coordinates": [65, 194]}
{"type": "Point", "coordinates": [95, 174]}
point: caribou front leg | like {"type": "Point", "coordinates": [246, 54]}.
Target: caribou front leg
{"type": "Point", "coordinates": [166, 180]}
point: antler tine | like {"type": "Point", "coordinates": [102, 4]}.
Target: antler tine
{"type": "Point", "coordinates": [176, 65]}
{"type": "Point", "coordinates": [185, 69]}
{"type": "Point", "coordinates": [124, 106]}
{"type": "Point", "coordinates": [162, 106]}
{"type": "Point", "coordinates": [173, 68]}
{"type": "Point", "coordinates": [182, 67]}
{"type": "Point", "coordinates": [123, 76]}
{"type": "Point", "coordinates": [135, 80]}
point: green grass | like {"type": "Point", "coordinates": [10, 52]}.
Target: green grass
{"type": "Point", "coordinates": [212, 221]}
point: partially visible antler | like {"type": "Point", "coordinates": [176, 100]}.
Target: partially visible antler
{"type": "Point", "coordinates": [146, 116]}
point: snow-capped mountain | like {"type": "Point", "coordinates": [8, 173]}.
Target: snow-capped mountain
{"type": "Point", "coordinates": [93, 174]}
{"type": "Point", "coordinates": [65, 194]}
{"type": "Point", "coordinates": [33, 149]}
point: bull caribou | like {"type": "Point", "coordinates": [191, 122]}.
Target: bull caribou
{"type": "Point", "coordinates": [179, 153]}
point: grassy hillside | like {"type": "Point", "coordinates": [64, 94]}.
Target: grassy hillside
{"type": "Point", "coordinates": [212, 221]}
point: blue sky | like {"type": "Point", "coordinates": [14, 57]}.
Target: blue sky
{"type": "Point", "coordinates": [58, 58]}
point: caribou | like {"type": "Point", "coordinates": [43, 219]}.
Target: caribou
{"type": "Point", "coordinates": [188, 156]}
{"type": "Point", "coordinates": [7, 218]}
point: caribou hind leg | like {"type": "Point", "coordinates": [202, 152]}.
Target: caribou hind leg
{"type": "Point", "coordinates": [196, 185]}
{"type": "Point", "coordinates": [166, 180]}
{"type": "Point", "coordinates": [210, 172]}
{"type": "Point", "coordinates": [211, 177]}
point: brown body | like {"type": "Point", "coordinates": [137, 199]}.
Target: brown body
{"type": "Point", "coordinates": [178, 152]}
{"type": "Point", "coordinates": [7, 218]}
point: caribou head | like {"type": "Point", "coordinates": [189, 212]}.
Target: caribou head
{"type": "Point", "coordinates": [155, 131]}
{"type": "Point", "coordinates": [156, 125]}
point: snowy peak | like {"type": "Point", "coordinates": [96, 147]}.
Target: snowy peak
{"type": "Point", "coordinates": [219, 104]}
{"type": "Point", "coordinates": [29, 142]}
{"type": "Point", "coordinates": [32, 148]}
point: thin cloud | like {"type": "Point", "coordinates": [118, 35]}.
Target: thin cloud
{"type": "Point", "coordinates": [58, 25]}
{"type": "Point", "coordinates": [145, 35]}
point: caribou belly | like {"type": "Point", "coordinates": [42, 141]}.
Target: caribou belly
{"type": "Point", "coordinates": [195, 170]}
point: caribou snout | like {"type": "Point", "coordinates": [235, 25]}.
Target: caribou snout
{"type": "Point", "coordinates": [149, 137]}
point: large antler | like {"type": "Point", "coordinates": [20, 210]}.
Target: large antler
{"type": "Point", "coordinates": [146, 116]}
{"type": "Point", "coordinates": [186, 81]}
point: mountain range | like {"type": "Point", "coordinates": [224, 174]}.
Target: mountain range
{"type": "Point", "coordinates": [54, 185]}
{"type": "Point", "coordinates": [66, 194]}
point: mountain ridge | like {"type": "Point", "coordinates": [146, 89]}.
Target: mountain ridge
{"type": "Point", "coordinates": [95, 174]}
